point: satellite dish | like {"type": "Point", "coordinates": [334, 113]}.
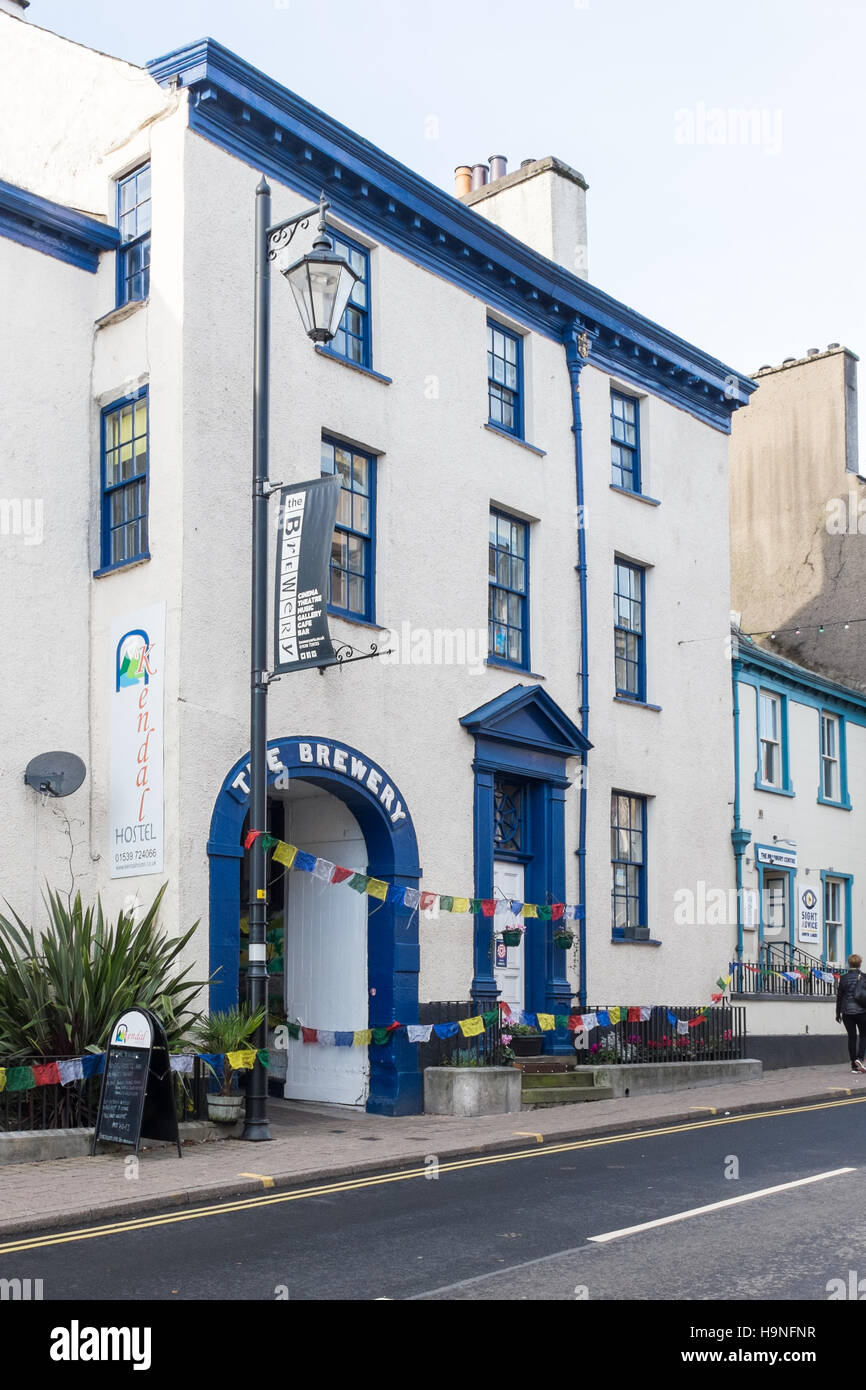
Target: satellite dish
{"type": "Point", "coordinates": [55, 774]}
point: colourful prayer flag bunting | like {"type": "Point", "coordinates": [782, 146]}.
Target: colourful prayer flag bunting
{"type": "Point", "coordinates": [285, 854]}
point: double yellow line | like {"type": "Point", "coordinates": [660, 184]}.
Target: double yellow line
{"type": "Point", "coordinates": [299, 1194]}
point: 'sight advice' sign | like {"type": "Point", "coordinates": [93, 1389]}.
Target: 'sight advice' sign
{"type": "Point", "coordinates": [137, 650]}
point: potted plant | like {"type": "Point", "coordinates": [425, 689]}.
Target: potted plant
{"type": "Point", "coordinates": [231, 1031]}
{"type": "Point", "coordinates": [524, 1040]}
{"type": "Point", "coordinates": [563, 938]}
{"type": "Point", "coordinates": [512, 936]}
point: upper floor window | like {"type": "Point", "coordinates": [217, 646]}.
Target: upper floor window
{"type": "Point", "coordinates": [628, 861]}
{"type": "Point", "coordinates": [624, 442]}
{"type": "Point", "coordinates": [833, 773]}
{"type": "Point", "coordinates": [771, 740]}
{"type": "Point", "coordinates": [133, 219]}
{"type": "Point", "coordinates": [352, 562]}
{"type": "Point", "coordinates": [505, 378]}
{"type": "Point", "coordinates": [352, 339]}
{"type": "Point", "coordinates": [629, 635]}
{"type": "Point", "coordinates": [508, 594]}
{"type": "Point", "coordinates": [773, 772]}
{"type": "Point", "coordinates": [124, 481]}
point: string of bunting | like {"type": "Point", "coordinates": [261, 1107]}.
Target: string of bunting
{"type": "Point", "coordinates": [26, 1078]}
{"type": "Point", "coordinates": [93, 1064]}
{"type": "Point", "coordinates": [323, 869]}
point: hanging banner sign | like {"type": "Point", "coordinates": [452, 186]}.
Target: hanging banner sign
{"type": "Point", "coordinates": [307, 515]}
{"type": "Point", "coordinates": [135, 828]}
{"type": "Point", "coordinates": [808, 923]}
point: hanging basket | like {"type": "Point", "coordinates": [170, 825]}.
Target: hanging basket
{"type": "Point", "coordinates": [511, 936]}
{"type": "Point", "coordinates": [564, 939]}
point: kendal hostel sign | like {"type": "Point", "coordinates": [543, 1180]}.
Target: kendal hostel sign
{"type": "Point", "coordinates": [136, 748]}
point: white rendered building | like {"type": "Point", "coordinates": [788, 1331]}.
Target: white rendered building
{"type": "Point", "coordinates": [535, 521]}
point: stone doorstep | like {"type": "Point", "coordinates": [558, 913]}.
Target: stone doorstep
{"type": "Point", "coordinates": [537, 1066]}
{"type": "Point", "coordinates": [539, 1098]}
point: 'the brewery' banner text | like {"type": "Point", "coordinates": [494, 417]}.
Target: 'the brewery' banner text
{"type": "Point", "coordinates": [307, 515]}
{"type": "Point", "coordinates": [135, 754]}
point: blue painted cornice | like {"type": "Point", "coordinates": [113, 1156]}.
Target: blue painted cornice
{"type": "Point", "coordinates": [56, 230]}
{"type": "Point", "coordinates": [757, 662]}
{"type": "Point", "coordinates": [255, 118]}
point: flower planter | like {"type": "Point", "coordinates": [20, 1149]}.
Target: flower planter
{"type": "Point", "coordinates": [471, 1091]}
{"type": "Point", "coordinates": [225, 1110]}
{"type": "Point", "coordinates": [564, 939]}
{"type": "Point", "coordinates": [526, 1046]}
{"type": "Point", "coordinates": [512, 938]}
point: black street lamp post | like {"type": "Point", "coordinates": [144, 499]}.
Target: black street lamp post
{"type": "Point", "coordinates": [321, 283]}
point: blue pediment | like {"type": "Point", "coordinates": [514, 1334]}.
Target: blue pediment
{"type": "Point", "coordinates": [528, 716]}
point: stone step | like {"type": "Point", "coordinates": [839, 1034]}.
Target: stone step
{"type": "Point", "coordinates": [561, 1078]}
{"type": "Point", "coordinates": [538, 1097]}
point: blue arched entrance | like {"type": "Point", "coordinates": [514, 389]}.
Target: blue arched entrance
{"type": "Point", "coordinates": [392, 855]}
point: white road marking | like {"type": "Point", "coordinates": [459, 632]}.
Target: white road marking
{"type": "Point", "coordinates": [718, 1206]}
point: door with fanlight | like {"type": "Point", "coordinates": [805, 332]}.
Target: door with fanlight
{"type": "Point", "coordinates": [508, 960]}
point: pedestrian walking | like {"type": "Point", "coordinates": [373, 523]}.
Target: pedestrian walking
{"type": "Point", "coordinates": [851, 1010]}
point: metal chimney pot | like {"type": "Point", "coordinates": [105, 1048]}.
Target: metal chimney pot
{"type": "Point", "coordinates": [498, 166]}
{"type": "Point", "coordinates": [479, 176]}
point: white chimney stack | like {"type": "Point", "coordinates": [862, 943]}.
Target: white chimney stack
{"type": "Point", "coordinates": [543, 203]}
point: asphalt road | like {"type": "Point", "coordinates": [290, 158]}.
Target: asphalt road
{"type": "Point", "coordinates": [514, 1227]}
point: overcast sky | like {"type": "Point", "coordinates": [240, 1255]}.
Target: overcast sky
{"type": "Point", "coordinates": [752, 248]}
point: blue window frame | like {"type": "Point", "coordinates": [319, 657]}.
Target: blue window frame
{"type": "Point", "coordinates": [625, 441]}
{"type": "Point", "coordinates": [628, 862]}
{"type": "Point", "coordinates": [510, 840]}
{"type": "Point", "coordinates": [353, 544]}
{"type": "Point", "coordinates": [505, 379]}
{"type": "Point", "coordinates": [124, 460]}
{"type": "Point", "coordinates": [776, 898]}
{"type": "Point", "coordinates": [629, 630]}
{"type": "Point", "coordinates": [508, 592]}
{"type": "Point", "coordinates": [352, 339]}
{"type": "Point", "coordinates": [837, 893]}
{"type": "Point", "coordinates": [833, 777]}
{"type": "Point", "coordinates": [133, 219]}
{"type": "Point", "coordinates": [773, 774]}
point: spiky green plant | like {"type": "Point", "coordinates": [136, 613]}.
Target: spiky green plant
{"type": "Point", "coordinates": [231, 1031]}
{"type": "Point", "coordinates": [61, 989]}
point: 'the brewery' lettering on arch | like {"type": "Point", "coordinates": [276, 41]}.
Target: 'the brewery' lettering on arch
{"type": "Point", "coordinates": [333, 758]}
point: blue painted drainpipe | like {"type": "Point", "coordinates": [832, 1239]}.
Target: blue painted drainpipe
{"type": "Point", "coordinates": [577, 346]}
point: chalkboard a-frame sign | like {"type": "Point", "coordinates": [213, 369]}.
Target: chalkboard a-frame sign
{"type": "Point", "coordinates": [137, 1097]}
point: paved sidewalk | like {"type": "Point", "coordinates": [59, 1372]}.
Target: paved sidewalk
{"type": "Point", "coordinates": [324, 1143]}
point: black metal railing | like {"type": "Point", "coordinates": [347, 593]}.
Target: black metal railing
{"type": "Point", "coordinates": [718, 1034]}
{"type": "Point", "coordinates": [766, 975]}
{"type": "Point", "coordinates": [485, 1050]}
{"type": "Point", "coordinates": [74, 1106]}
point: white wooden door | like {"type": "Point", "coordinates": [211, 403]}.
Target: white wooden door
{"type": "Point", "coordinates": [508, 883]}
{"type": "Point", "coordinates": [326, 955]}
